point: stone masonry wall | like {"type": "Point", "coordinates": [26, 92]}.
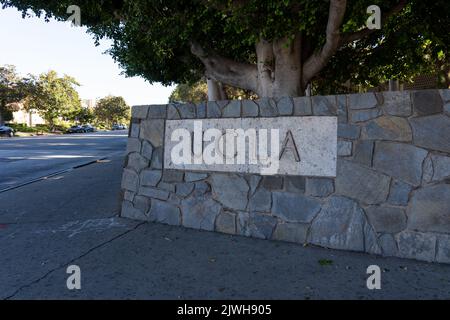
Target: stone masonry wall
{"type": "Point", "coordinates": [391, 195]}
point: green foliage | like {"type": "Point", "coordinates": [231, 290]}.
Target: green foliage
{"type": "Point", "coordinates": [151, 38]}
{"type": "Point", "coordinates": [110, 110]}
{"type": "Point", "coordinates": [13, 89]}
{"type": "Point", "coordinates": [53, 97]}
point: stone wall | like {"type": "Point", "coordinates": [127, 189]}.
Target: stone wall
{"type": "Point", "coordinates": [391, 195]}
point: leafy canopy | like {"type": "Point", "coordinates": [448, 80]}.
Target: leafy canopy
{"type": "Point", "coordinates": [112, 110]}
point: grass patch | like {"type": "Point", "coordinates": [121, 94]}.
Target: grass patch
{"type": "Point", "coordinates": [325, 262]}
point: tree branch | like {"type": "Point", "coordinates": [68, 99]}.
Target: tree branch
{"type": "Point", "coordinates": [218, 68]}
{"type": "Point", "coordinates": [318, 60]}
{"type": "Point", "coordinates": [357, 35]}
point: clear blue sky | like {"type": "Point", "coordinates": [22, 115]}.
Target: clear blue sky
{"type": "Point", "coordinates": [34, 46]}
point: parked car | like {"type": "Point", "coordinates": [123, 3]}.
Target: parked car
{"type": "Point", "coordinates": [76, 129]}
{"type": "Point", "coordinates": [88, 128]}
{"type": "Point", "coordinates": [6, 131]}
{"type": "Point", "coordinates": [119, 127]}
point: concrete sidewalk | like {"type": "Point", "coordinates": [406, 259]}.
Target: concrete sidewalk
{"type": "Point", "coordinates": [72, 219]}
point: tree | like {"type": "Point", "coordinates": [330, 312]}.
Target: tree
{"type": "Point", "coordinates": [272, 48]}
{"type": "Point", "coordinates": [13, 89]}
{"type": "Point", "coordinates": [112, 110]}
{"type": "Point", "coordinates": [53, 97]}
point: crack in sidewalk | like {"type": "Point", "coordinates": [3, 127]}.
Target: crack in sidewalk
{"type": "Point", "coordinates": [72, 261]}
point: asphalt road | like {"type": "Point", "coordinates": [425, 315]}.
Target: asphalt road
{"type": "Point", "coordinates": [25, 159]}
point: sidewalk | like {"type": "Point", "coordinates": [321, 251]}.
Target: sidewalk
{"type": "Point", "coordinates": [72, 219]}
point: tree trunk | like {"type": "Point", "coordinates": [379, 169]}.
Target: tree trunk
{"type": "Point", "coordinates": [216, 91]}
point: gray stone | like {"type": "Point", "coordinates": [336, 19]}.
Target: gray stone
{"type": "Point", "coordinates": [348, 131]}
{"type": "Point", "coordinates": [134, 129]}
{"type": "Point", "coordinates": [285, 106]}
{"type": "Point", "coordinates": [426, 102]}
{"type": "Point", "coordinates": [416, 245]}
{"type": "Point", "coordinates": [294, 207]}
{"type": "Point", "coordinates": [172, 112]}
{"type": "Point", "coordinates": [166, 186]}
{"type": "Point", "coordinates": [261, 201]}
{"type": "Point", "coordinates": [187, 111]}
{"type": "Point", "coordinates": [387, 128]}
{"type": "Point", "coordinates": [130, 180]}
{"type": "Point", "coordinates": [157, 112]}
{"type": "Point", "coordinates": [344, 148]}
{"type": "Point", "coordinates": [397, 103]}
{"type": "Point", "coordinates": [364, 115]}
{"type": "Point", "coordinates": [154, 193]}
{"type": "Point", "coordinates": [267, 107]}
{"type": "Point", "coordinates": [193, 176]}
{"type": "Point", "coordinates": [386, 219]}
{"type": "Point", "coordinates": [432, 132]}
{"type": "Point", "coordinates": [253, 181]}
{"type": "Point", "coordinates": [226, 222]}
{"type": "Point", "coordinates": [342, 108]}
{"type": "Point", "coordinates": [133, 145]}
{"type": "Point", "coordinates": [302, 106]}
{"type": "Point", "coordinates": [147, 150]}
{"type": "Point", "coordinates": [139, 112]}
{"type": "Point", "coordinates": [319, 187]}
{"type": "Point", "coordinates": [362, 101]}
{"type": "Point", "coordinates": [185, 189]}
{"type": "Point", "coordinates": [137, 162]}
{"type": "Point", "coordinates": [272, 183]}
{"type": "Point", "coordinates": [388, 245]}
{"type": "Point", "coordinates": [324, 105]}
{"type": "Point", "coordinates": [232, 110]}
{"type": "Point", "coordinates": [201, 188]}
{"type": "Point", "coordinates": [175, 199]}
{"type": "Point", "coordinates": [157, 158]}
{"type": "Point", "coordinates": [294, 184]}
{"type": "Point", "coordinates": [153, 131]}
{"type": "Point", "coordinates": [399, 194]}
{"type": "Point", "coordinates": [230, 189]}
{"type": "Point", "coordinates": [200, 212]}
{"type": "Point", "coordinates": [213, 110]}
{"type": "Point", "coordinates": [358, 182]}
{"type": "Point", "coordinates": [370, 240]}
{"type": "Point", "coordinates": [128, 196]}
{"type": "Point", "coordinates": [150, 178]}
{"type": "Point", "coordinates": [445, 94]}
{"type": "Point", "coordinates": [443, 248]}
{"type": "Point", "coordinates": [441, 165]}
{"type": "Point", "coordinates": [447, 108]}
{"type": "Point", "coordinates": [399, 160]}
{"type": "Point", "coordinates": [428, 170]}
{"type": "Point", "coordinates": [291, 232]}
{"type": "Point", "coordinates": [339, 225]}
{"type": "Point", "coordinates": [201, 110]}
{"type": "Point", "coordinates": [142, 203]}
{"type": "Point", "coordinates": [129, 211]}
{"type": "Point", "coordinates": [429, 209]}
{"type": "Point", "coordinates": [256, 225]}
{"type": "Point", "coordinates": [249, 108]}
{"type": "Point", "coordinates": [364, 152]}
{"type": "Point", "coordinates": [173, 176]}
{"type": "Point", "coordinates": [164, 212]}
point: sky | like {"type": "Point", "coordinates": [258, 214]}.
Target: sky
{"type": "Point", "coordinates": [34, 46]}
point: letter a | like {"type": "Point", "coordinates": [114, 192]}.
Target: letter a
{"type": "Point", "coordinates": [289, 144]}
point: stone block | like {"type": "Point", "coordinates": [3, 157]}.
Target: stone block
{"type": "Point", "coordinates": [291, 232]}
{"type": "Point", "coordinates": [427, 102]}
{"type": "Point", "coordinates": [261, 201]}
{"type": "Point", "coordinates": [324, 105]}
{"type": "Point", "coordinates": [157, 158]}
{"type": "Point", "coordinates": [187, 110]}
{"type": "Point", "coordinates": [386, 219]}
{"type": "Point", "coordinates": [200, 212]}
{"type": "Point", "coordinates": [360, 183]}
{"type": "Point", "coordinates": [129, 211]}
{"type": "Point", "coordinates": [364, 152]}
{"type": "Point", "coordinates": [232, 110]}
{"type": "Point", "coordinates": [443, 248]}
{"type": "Point", "coordinates": [193, 176]}
{"type": "Point", "coordinates": [226, 222]}
{"type": "Point", "coordinates": [362, 101]}
{"type": "Point", "coordinates": [402, 161]}
{"type": "Point", "coordinates": [164, 212]}
{"type": "Point", "coordinates": [230, 189]}
{"type": "Point", "coordinates": [256, 225]}
{"type": "Point", "coordinates": [441, 167]}
{"type": "Point", "coordinates": [139, 112]}
{"type": "Point", "coordinates": [150, 178]}
{"type": "Point", "coordinates": [142, 203]}
{"type": "Point", "coordinates": [294, 184]}
{"type": "Point", "coordinates": [154, 193]}
{"type": "Point", "coordinates": [134, 128]}
{"type": "Point", "coordinates": [319, 187]}
{"type": "Point", "coordinates": [397, 103]}
{"type": "Point", "coordinates": [285, 106]}
{"type": "Point", "coordinates": [172, 112]}
{"type": "Point", "coordinates": [388, 245]}
{"type": "Point", "coordinates": [272, 183]}
{"type": "Point", "coordinates": [399, 193]}
{"type": "Point", "coordinates": [157, 112]}
{"type": "Point", "coordinates": [153, 131]}
{"type": "Point", "coordinates": [387, 128]}
{"type": "Point", "coordinates": [137, 162]}
{"type": "Point", "coordinates": [173, 176]}
{"type": "Point", "coordinates": [416, 245]}
{"type": "Point", "coordinates": [213, 110]}
{"type": "Point", "coordinates": [294, 207]}
{"type": "Point", "coordinates": [130, 180]}
{"type": "Point", "coordinates": [201, 110]}
{"type": "Point", "coordinates": [344, 148]}
{"type": "Point", "coordinates": [342, 108]}
{"type": "Point", "coordinates": [133, 145]}
{"type": "Point", "coordinates": [147, 150]}
{"type": "Point", "coordinates": [348, 131]}
{"type": "Point", "coordinates": [302, 106]}
{"type": "Point", "coordinates": [267, 107]}
{"type": "Point", "coordinates": [429, 209]}
{"type": "Point", "coordinates": [249, 108]}
{"type": "Point", "coordinates": [364, 115]}
{"type": "Point", "coordinates": [185, 189]}
{"type": "Point", "coordinates": [432, 132]}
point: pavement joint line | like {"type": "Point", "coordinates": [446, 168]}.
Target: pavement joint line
{"type": "Point", "coordinates": [52, 175]}
{"type": "Point", "coordinates": [72, 261]}
{"type": "Point", "coordinates": [115, 214]}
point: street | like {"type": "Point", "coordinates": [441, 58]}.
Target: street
{"type": "Point", "coordinates": [71, 218]}
{"type": "Point", "coordinates": [25, 159]}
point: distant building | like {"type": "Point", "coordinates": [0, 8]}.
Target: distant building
{"type": "Point", "coordinates": [88, 103]}
{"type": "Point", "coordinates": [22, 116]}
